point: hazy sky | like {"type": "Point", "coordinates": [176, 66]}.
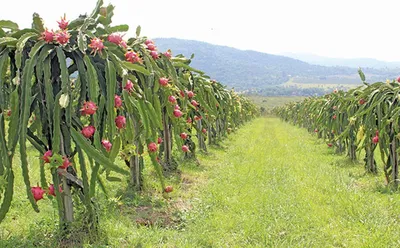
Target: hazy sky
{"type": "Point", "coordinates": [334, 28]}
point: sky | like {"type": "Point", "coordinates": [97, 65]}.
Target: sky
{"type": "Point", "coordinates": [331, 28]}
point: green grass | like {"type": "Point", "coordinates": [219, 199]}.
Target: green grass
{"type": "Point", "coordinates": [269, 102]}
{"type": "Point", "coordinates": [268, 185]}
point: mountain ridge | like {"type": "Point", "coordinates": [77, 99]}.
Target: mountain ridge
{"type": "Point", "coordinates": [247, 70]}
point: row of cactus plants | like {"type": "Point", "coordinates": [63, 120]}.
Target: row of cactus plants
{"type": "Point", "coordinates": [83, 95]}
{"type": "Point", "coordinates": [365, 118]}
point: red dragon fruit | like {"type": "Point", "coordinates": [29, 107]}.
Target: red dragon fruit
{"type": "Point", "coordinates": [62, 37]}
{"type": "Point", "coordinates": [154, 55]}
{"type": "Point", "coordinates": [361, 101]}
{"type": "Point", "coordinates": [97, 45]}
{"type": "Point", "coordinates": [115, 38]}
{"type": "Point", "coordinates": [204, 130]}
{"type": "Point", "coordinates": [183, 135]}
{"type": "Point", "coordinates": [132, 57]}
{"type": "Point", "coordinates": [194, 103]}
{"type": "Point", "coordinates": [163, 81]}
{"type": "Point", "coordinates": [152, 147]}
{"type": "Point", "coordinates": [88, 108]}
{"type": "Point", "coordinates": [159, 140]}
{"type": "Point", "coordinates": [48, 36]}
{"type": "Point", "coordinates": [168, 54]}
{"type": "Point", "coordinates": [88, 131]}
{"type": "Point", "coordinates": [168, 189]}
{"type": "Point", "coordinates": [63, 23]}
{"type": "Point", "coordinates": [65, 163]}
{"type": "Point", "coordinates": [182, 93]}
{"type": "Point", "coordinates": [117, 101]}
{"type": "Point", "coordinates": [189, 120]}
{"type": "Point", "coordinates": [172, 99]}
{"type": "Point", "coordinates": [177, 107]}
{"type": "Point", "coordinates": [51, 190]}
{"type": "Point", "coordinates": [148, 42]}
{"type": "Point", "coordinates": [151, 47]}
{"type": "Point", "coordinates": [185, 148]}
{"type": "Point", "coordinates": [129, 86]}
{"type": "Point", "coordinates": [106, 144]}
{"type": "Point", "coordinates": [46, 156]}
{"type": "Point", "coordinates": [37, 192]}
{"type": "Point", "coordinates": [197, 118]}
{"type": "Point", "coordinates": [123, 44]}
{"type": "Point", "coordinates": [190, 94]}
{"type": "Point", "coordinates": [120, 121]}
{"type": "Point", "coordinates": [177, 113]}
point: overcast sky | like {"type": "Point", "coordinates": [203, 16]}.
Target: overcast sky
{"type": "Point", "coordinates": [334, 28]}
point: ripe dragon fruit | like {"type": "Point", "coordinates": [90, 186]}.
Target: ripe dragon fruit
{"type": "Point", "coordinates": [62, 37]}
{"type": "Point", "coordinates": [183, 135]}
{"type": "Point", "coordinates": [88, 108]}
{"type": "Point", "coordinates": [115, 38]}
{"type": "Point", "coordinates": [177, 113]}
{"type": "Point", "coordinates": [194, 103]}
{"type": "Point", "coordinates": [88, 131]}
{"type": "Point", "coordinates": [190, 94]}
{"type": "Point", "coordinates": [37, 192]}
{"type": "Point", "coordinates": [48, 36]}
{"type": "Point", "coordinates": [117, 101]}
{"type": "Point", "coordinates": [168, 54]}
{"type": "Point", "coordinates": [168, 189]}
{"type": "Point", "coordinates": [97, 45]}
{"type": "Point", "coordinates": [120, 121]}
{"type": "Point", "coordinates": [129, 86]}
{"type": "Point", "coordinates": [132, 57]}
{"type": "Point", "coordinates": [63, 23]}
{"type": "Point", "coordinates": [51, 190]}
{"type": "Point", "coordinates": [46, 156]}
{"type": "Point", "coordinates": [163, 81]}
{"type": "Point", "coordinates": [185, 148]}
{"type": "Point", "coordinates": [65, 163]}
{"type": "Point", "coordinates": [151, 47]}
{"type": "Point", "coordinates": [106, 144]}
{"type": "Point", "coordinates": [159, 140]}
{"type": "Point", "coordinates": [154, 55]}
{"type": "Point", "coordinates": [152, 147]}
{"type": "Point", "coordinates": [172, 99]}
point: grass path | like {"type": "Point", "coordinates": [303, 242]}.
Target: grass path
{"type": "Point", "coordinates": [269, 185]}
{"type": "Point", "coordinates": [278, 186]}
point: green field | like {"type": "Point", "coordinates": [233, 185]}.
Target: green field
{"type": "Point", "coordinates": [283, 188]}
{"type": "Point", "coordinates": [333, 82]}
{"type": "Point", "coordinates": [269, 102]}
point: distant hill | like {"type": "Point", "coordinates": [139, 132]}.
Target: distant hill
{"type": "Point", "coordinates": [255, 71]}
{"type": "Point", "coordinates": [355, 63]}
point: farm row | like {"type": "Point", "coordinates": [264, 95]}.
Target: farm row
{"type": "Point", "coordinates": [362, 119]}
{"type": "Point", "coordinates": [85, 94]}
